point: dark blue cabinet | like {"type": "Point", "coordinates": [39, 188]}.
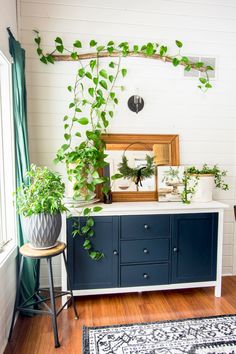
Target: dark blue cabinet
{"type": "Point", "coordinates": [194, 247]}
{"type": "Point", "coordinates": [86, 273]}
{"type": "Point", "coordinates": [145, 250]}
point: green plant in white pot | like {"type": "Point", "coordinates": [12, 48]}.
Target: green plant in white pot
{"type": "Point", "coordinates": [40, 204]}
{"type": "Point", "coordinates": [199, 183]}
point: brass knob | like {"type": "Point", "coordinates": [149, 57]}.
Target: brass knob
{"type": "Point", "coordinates": [175, 249]}
{"type": "Point", "coordinates": [115, 252]}
{"type": "Point", "coordinates": [145, 276]}
{"type": "Point", "coordinates": [146, 226]}
{"type": "Point", "coordinates": [145, 251]}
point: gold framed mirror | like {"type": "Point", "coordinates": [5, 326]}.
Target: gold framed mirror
{"type": "Point", "coordinates": [164, 149]}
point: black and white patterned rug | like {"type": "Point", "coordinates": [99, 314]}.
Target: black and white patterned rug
{"type": "Point", "coordinates": [209, 335]}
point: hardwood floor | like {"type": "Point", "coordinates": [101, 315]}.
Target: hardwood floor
{"type": "Point", "coordinates": [35, 336]}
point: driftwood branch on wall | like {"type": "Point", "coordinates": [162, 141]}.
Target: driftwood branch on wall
{"type": "Point", "coordinates": [87, 56]}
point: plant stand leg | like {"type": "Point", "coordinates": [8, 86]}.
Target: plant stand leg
{"type": "Point", "coordinates": [53, 305]}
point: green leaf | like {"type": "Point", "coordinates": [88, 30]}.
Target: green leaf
{"type": "Point", "coordinates": [110, 49]}
{"type": "Point", "coordinates": [83, 121]}
{"type": "Point", "coordinates": [112, 95]}
{"type": "Point", "coordinates": [78, 110]}
{"type": "Point", "coordinates": [199, 64]}
{"type": "Point", "coordinates": [143, 48]}
{"type": "Point", "coordinates": [88, 75]}
{"type": "Point", "coordinates": [87, 245]}
{"type": "Point", "coordinates": [90, 222]}
{"type": "Point", "coordinates": [209, 67]}
{"type": "Point", "coordinates": [71, 105]}
{"type": "Point", "coordinates": [188, 68]}
{"type": "Point", "coordinates": [92, 43]}
{"type": "Point", "coordinates": [116, 101]}
{"type": "Point", "coordinates": [86, 211]}
{"type": "Point", "coordinates": [74, 55]}
{"type": "Point", "coordinates": [96, 209]}
{"type": "Point", "coordinates": [69, 88]}
{"type": "Point", "coordinates": [135, 48]}
{"type": "Point", "coordinates": [100, 93]}
{"type": "Point", "coordinates": [58, 40]}
{"type": "Point", "coordinates": [60, 48]}
{"type": "Point", "coordinates": [150, 49]}
{"type": "Point", "coordinates": [179, 44]}
{"type": "Point", "coordinates": [77, 44]}
{"type": "Point", "coordinates": [163, 50]}
{"type": "Point", "coordinates": [67, 136]}
{"type": "Point", "coordinates": [81, 72]}
{"type": "Point", "coordinates": [39, 51]}
{"type": "Point", "coordinates": [202, 80]}
{"type": "Point", "coordinates": [37, 40]}
{"type": "Point", "coordinates": [78, 135]}
{"type": "Point", "coordinates": [124, 72]}
{"type": "Point", "coordinates": [90, 233]}
{"type": "Point", "coordinates": [185, 60]}
{"type": "Point", "coordinates": [110, 43]}
{"type": "Point", "coordinates": [103, 84]}
{"type": "Point", "coordinates": [65, 147]}
{"type": "Point", "coordinates": [208, 85]}
{"type": "Point", "coordinates": [66, 126]}
{"type": "Point", "coordinates": [111, 114]}
{"type": "Point", "coordinates": [92, 64]}
{"type": "Point", "coordinates": [95, 80]}
{"type": "Point", "coordinates": [50, 59]}
{"type": "Point", "coordinates": [111, 78]}
{"type": "Point", "coordinates": [91, 91]}
{"type": "Point", "coordinates": [65, 118]}
{"type": "Point", "coordinates": [116, 176]}
{"type": "Point", "coordinates": [175, 61]}
{"type": "Point", "coordinates": [103, 73]}
{"type": "Point", "coordinates": [112, 64]}
{"type": "Point", "coordinates": [100, 48]}
{"type": "Point", "coordinates": [43, 59]}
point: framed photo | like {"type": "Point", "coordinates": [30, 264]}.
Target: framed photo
{"type": "Point", "coordinates": [169, 183]}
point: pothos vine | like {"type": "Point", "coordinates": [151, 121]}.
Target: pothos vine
{"type": "Point", "coordinates": [94, 98]}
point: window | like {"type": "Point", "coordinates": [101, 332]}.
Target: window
{"type": "Point", "coordinates": [7, 172]}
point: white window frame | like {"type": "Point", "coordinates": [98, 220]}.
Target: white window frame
{"type": "Point", "coordinates": [7, 162]}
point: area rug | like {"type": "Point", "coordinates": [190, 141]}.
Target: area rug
{"type": "Point", "coordinates": [208, 335]}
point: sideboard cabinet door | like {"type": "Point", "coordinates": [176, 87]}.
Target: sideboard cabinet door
{"type": "Point", "coordinates": [86, 273]}
{"type": "Point", "coordinates": [194, 247]}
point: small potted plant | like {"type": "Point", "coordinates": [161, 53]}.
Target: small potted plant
{"type": "Point", "coordinates": [199, 183]}
{"type": "Point", "coordinates": [40, 203]}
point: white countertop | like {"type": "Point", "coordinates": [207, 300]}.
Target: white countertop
{"type": "Point", "coordinates": [141, 208]}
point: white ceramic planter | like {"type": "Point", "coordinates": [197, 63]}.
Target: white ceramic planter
{"type": "Point", "coordinates": [204, 189]}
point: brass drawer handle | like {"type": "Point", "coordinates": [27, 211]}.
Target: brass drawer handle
{"type": "Point", "coordinates": [146, 276]}
{"type": "Point", "coordinates": [115, 252]}
{"type": "Point", "coordinates": [146, 226]}
{"type": "Point", "coordinates": [175, 249]}
{"type": "Point", "coordinates": [145, 250]}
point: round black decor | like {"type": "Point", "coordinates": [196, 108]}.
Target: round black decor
{"type": "Point", "coordinates": [135, 103]}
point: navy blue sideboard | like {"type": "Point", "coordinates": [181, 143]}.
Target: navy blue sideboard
{"type": "Point", "coordinates": [142, 251]}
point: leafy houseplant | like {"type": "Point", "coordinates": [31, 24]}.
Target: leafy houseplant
{"type": "Point", "coordinates": [199, 183]}
{"type": "Point", "coordinates": [40, 203]}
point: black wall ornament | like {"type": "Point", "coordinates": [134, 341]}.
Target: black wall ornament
{"type": "Point", "coordinates": [135, 103]}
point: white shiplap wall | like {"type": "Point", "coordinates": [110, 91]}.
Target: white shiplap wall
{"type": "Point", "coordinates": [173, 104]}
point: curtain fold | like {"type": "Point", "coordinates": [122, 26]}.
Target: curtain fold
{"type": "Point", "coordinates": [22, 163]}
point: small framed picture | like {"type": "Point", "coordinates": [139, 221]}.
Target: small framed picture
{"type": "Point", "coordinates": [170, 185]}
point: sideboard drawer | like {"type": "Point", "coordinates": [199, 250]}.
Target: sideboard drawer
{"type": "Point", "coordinates": [146, 274]}
{"type": "Point", "coordinates": [145, 226]}
{"type": "Point", "coordinates": [150, 250]}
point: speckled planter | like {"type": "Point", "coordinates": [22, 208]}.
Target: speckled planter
{"type": "Point", "coordinates": [42, 230]}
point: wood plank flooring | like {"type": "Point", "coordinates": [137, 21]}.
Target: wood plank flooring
{"type": "Point", "coordinates": [35, 336]}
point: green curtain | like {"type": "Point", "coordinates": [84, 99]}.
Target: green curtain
{"type": "Point", "coordinates": [22, 163]}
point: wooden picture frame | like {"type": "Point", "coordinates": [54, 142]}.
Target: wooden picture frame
{"type": "Point", "coordinates": [147, 142]}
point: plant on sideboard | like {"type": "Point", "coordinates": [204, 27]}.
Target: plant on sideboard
{"type": "Point", "coordinates": [40, 202]}
{"type": "Point", "coordinates": [199, 182]}
{"type": "Point", "coordinates": [92, 105]}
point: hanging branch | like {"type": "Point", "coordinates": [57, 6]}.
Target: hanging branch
{"type": "Point", "coordinates": [149, 50]}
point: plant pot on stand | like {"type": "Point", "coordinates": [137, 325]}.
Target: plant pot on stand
{"type": "Point", "coordinates": [42, 230]}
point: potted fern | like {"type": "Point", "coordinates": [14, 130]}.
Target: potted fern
{"type": "Point", "coordinates": [40, 203]}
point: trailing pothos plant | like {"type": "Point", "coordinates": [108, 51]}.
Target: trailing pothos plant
{"type": "Point", "coordinates": [192, 175]}
{"type": "Point", "coordinates": [92, 105]}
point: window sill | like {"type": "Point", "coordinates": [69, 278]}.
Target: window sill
{"type": "Point", "coordinates": [8, 253]}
